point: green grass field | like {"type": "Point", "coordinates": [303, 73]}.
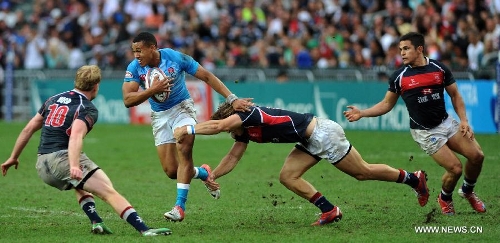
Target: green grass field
{"type": "Point", "coordinates": [254, 206]}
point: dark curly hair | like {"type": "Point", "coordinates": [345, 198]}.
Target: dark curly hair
{"type": "Point", "coordinates": [223, 111]}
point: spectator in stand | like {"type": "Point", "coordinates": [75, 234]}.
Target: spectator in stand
{"type": "Point", "coordinates": [377, 53]}
{"type": "Point", "coordinates": [138, 9]}
{"type": "Point", "coordinates": [303, 57]}
{"type": "Point", "coordinates": [155, 19]}
{"type": "Point", "coordinates": [56, 55]}
{"type": "Point", "coordinates": [276, 22]}
{"type": "Point", "coordinates": [206, 9]}
{"type": "Point", "coordinates": [492, 32]}
{"type": "Point", "coordinates": [76, 58]}
{"type": "Point", "coordinates": [35, 48]}
{"type": "Point", "coordinates": [475, 50]}
{"type": "Point", "coordinates": [392, 58]}
{"type": "Point", "coordinates": [323, 24]}
{"type": "Point", "coordinates": [251, 12]}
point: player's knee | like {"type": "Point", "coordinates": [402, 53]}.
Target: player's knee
{"type": "Point", "coordinates": [286, 178]}
{"type": "Point", "coordinates": [107, 195]}
{"type": "Point", "coordinates": [283, 179]}
{"type": "Point", "coordinates": [477, 158]}
{"type": "Point", "coordinates": [171, 173]}
{"type": "Point", "coordinates": [185, 148]}
{"type": "Point", "coordinates": [456, 169]}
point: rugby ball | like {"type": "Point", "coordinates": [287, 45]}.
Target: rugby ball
{"type": "Point", "coordinates": [150, 78]}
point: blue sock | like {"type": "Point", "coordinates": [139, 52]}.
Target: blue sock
{"type": "Point", "coordinates": [182, 194]}
{"type": "Point", "coordinates": [200, 173]}
{"type": "Point", "coordinates": [407, 178]}
{"type": "Point", "coordinates": [321, 202]}
{"type": "Point", "coordinates": [130, 215]}
{"type": "Point", "coordinates": [87, 204]}
{"type": "Point", "coordinates": [446, 196]}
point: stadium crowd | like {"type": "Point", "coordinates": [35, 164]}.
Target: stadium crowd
{"type": "Point", "coordinates": [66, 34]}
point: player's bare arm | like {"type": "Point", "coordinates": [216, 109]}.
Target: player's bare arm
{"type": "Point", "coordinates": [384, 106]}
{"type": "Point", "coordinates": [459, 106]}
{"type": "Point", "coordinates": [132, 96]}
{"type": "Point", "coordinates": [209, 127]}
{"type": "Point", "coordinates": [33, 125]}
{"type": "Point", "coordinates": [230, 160]}
{"type": "Point", "coordinates": [78, 132]}
{"type": "Point", "coordinates": [219, 87]}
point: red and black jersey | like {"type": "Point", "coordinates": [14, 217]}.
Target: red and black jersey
{"type": "Point", "coordinates": [272, 125]}
{"type": "Point", "coordinates": [59, 112]}
{"type": "Point", "coordinates": [422, 89]}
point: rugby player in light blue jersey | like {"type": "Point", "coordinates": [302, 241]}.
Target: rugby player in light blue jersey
{"type": "Point", "coordinates": [178, 110]}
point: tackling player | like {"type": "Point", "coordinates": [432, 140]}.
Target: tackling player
{"type": "Point", "coordinates": [315, 138]}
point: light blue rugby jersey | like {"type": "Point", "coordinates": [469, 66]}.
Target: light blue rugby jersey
{"type": "Point", "coordinates": [175, 65]}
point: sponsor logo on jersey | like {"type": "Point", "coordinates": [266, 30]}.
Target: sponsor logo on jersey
{"type": "Point", "coordinates": [63, 100]}
{"type": "Point", "coordinates": [427, 91]}
{"type": "Point", "coordinates": [412, 82]}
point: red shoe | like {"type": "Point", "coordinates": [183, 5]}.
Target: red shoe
{"type": "Point", "coordinates": [175, 215]}
{"type": "Point", "coordinates": [446, 206]}
{"type": "Point", "coordinates": [334, 215]}
{"type": "Point", "coordinates": [422, 190]}
{"type": "Point", "coordinates": [474, 201]}
{"type": "Point", "coordinates": [210, 184]}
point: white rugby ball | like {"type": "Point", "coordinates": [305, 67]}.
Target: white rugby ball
{"type": "Point", "coordinates": [150, 78]}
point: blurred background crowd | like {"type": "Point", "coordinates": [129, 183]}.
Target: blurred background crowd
{"type": "Point", "coordinates": [309, 34]}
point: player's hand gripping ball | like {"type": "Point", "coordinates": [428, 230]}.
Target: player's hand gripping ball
{"type": "Point", "coordinates": [150, 78]}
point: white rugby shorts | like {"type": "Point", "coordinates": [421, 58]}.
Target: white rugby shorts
{"type": "Point", "coordinates": [164, 122]}
{"type": "Point", "coordinates": [328, 141]}
{"type": "Point", "coordinates": [433, 139]}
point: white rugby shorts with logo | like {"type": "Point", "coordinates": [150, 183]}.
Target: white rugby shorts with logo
{"type": "Point", "coordinates": [165, 122]}
{"type": "Point", "coordinates": [433, 139]}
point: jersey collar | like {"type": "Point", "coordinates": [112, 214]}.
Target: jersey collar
{"type": "Point", "coordinates": [77, 91]}
{"type": "Point", "coordinates": [427, 61]}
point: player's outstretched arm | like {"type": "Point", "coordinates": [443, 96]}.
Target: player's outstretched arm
{"type": "Point", "coordinates": [33, 125]}
{"type": "Point", "coordinates": [384, 106]}
{"type": "Point", "coordinates": [353, 114]}
{"type": "Point", "coordinates": [229, 161]}
{"type": "Point", "coordinates": [209, 127]}
{"type": "Point", "coordinates": [219, 87]}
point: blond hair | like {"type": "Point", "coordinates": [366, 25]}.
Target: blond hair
{"type": "Point", "coordinates": [223, 111]}
{"type": "Point", "coordinates": [87, 77]}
